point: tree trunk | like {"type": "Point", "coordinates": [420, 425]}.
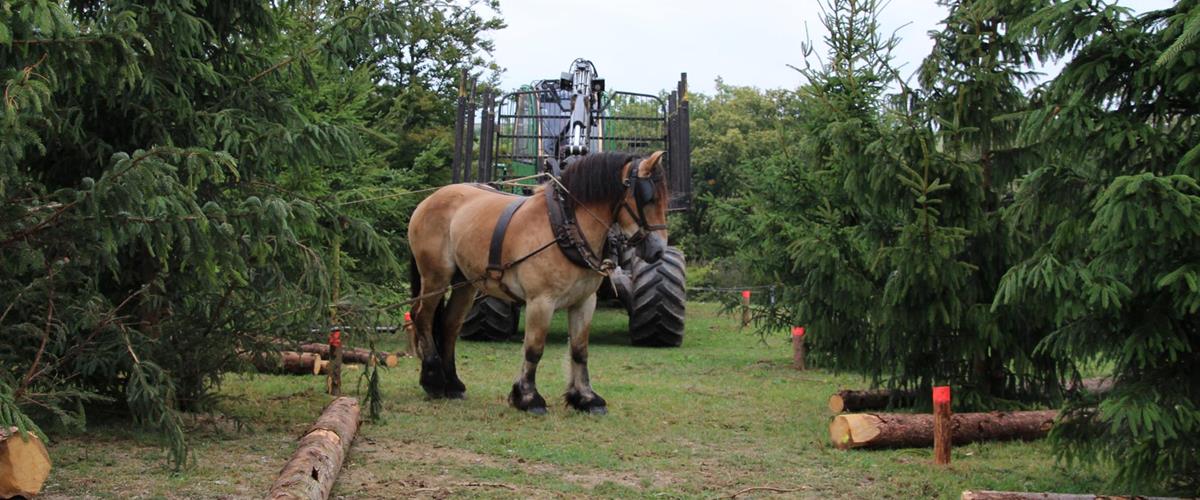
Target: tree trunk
{"type": "Point", "coordinates": [24, 463]}
{"type": "Point", "coordinates": [902, 430]}
{"type": "Point", "coordinates": [1020, 495]}
{"type": "Point", "coordinates": [353, 355]}
{"type": "Point", "coordinates": [314, 466]}
{"type": "Point", "coordinates": [876, 399]}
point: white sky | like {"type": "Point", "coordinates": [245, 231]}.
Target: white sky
{"type": "Point", "coordinates": [643, 45]}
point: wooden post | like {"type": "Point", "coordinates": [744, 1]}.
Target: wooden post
{"type": "Point", "coordinates": [745, 307]}
{"type": "Point", "coordinates": [942, 426]}
{"type": "Point", "coordinates": [335, 337]}
{"type": "Point", "coordinates": [410, 332]}
{"type": "Point", "coordinates": [798, 348]}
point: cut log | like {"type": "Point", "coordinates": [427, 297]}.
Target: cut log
{"type": "Point", "coordinates": [847, 400]}
{"type": "Point", "coordinates": [354, 355]}
{"type": "Point", "coordinates": [24, 463]}
{"type": "Point", "coordinates": [1092, 386]}
{"type": "Point", "coordinates": [903, 430]}
{"type": "Point", "coordinates": [1020, 495]}
{"type": "Point", "coordinates": [313, 468]}
{"type": "Point", "coordinates": [291, 362]}
{"type": "Point", "coordinates": [322, 367]}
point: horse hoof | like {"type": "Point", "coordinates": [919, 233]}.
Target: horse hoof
{"type": "Point", "coordinates": [537, 410]}
{"type": "Point", "coordinates": [598, 410]}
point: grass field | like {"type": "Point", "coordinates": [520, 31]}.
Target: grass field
{"type": "Point", "coordinates": [721, 414]}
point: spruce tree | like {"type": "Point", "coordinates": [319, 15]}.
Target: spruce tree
{"type": "Point", "coordinates": [1113, 215]}
{"type": "Point", "coordinates": [168, 176]}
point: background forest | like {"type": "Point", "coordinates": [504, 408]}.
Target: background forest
{"type": "Point", "coordinates": [184, 181]}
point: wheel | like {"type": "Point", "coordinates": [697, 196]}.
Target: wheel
{"type": "Point", "coordinates": [658, 301]}
{"type": "Point", "coordinates": [490, 319]}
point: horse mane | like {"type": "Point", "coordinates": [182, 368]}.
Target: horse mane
{"type": "Point", "coordinates": [597, 177]}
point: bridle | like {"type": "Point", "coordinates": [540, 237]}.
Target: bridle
{"type": "Point", "coordinates": [643, 194]}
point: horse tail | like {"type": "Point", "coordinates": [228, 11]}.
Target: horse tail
{"type": "Point", "coordinates": [439, 312]}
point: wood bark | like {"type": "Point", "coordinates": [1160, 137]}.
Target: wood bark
{"type": "Point", "coordinates": [904, 430]}
{"type": "Point", "coordinates": [1021, 495]}
{"type": "Point", "coordinates": [943, 432]}
{"type": "Point", "coordinates": [354, 355]}
{"type": "Point", "coordinates": [313, 468]}
{"type": "Point", "coordinates": [24, 463]}
{"type": "Point", "coordinates": [335, 370]}
{"type": "Point", "coordinates": [847, 400]}
{"type": "Point", "coordinates": [798, 352]}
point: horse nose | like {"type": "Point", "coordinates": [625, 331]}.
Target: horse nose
{"type": "Point", "coordinates": [652, 248]}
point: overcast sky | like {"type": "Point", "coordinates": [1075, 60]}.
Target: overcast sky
{"type": "Point", "coordinates": [643, 45]}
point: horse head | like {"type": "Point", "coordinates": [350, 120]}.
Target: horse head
{"type": "Point", "coordinates": [642, 211]}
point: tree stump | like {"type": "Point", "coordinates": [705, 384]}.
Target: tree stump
{"type": "Point", "coordinates": [313, 468]}
{"type": "Point", "coordinates": [24, 463]}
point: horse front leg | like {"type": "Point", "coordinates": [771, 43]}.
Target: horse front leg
{"type": "Point", "coordinates": [524, 395]}
{"type": "Point", "coordinates": [579, 387]}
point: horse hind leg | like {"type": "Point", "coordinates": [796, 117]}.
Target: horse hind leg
{"type": "Point", "coordinates": [428, 314]}
{"type": "Point", "coordinates": [580, 395]}
{"type": "Point", "coordinates": [524, 395]}
{"type": "Point", "coordinates": [456, 311]}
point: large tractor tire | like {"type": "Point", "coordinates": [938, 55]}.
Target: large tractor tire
{"type": "Point", "coordinates": [658, 301]}
{"type": "Point", "coordinates": [491, 319]}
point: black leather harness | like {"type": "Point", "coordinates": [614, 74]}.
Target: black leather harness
{"type": "Point", "coordinates": [567, 233]}
{"type": "Point", "coordinates": [565, 226]}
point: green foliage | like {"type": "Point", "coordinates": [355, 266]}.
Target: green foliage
{"type": "Point", "coordinates": [174, 179]}
{"type": "Point", "coordinates": [1112, 218]}
{"type": "Point", "coordinates": [879, 213]}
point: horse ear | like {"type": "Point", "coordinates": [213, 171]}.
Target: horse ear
{"type": "Point", "coordinates": [650, 163]}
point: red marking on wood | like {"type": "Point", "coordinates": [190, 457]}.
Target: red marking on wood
{"type": "Point", "coordinates": [407, 316]}
{"type": "Point", "coordinates": [335, 338]}
{"type": "Point", "coordinates": [797, 331]}
{"type": "Point", "coordinates": [941, 394]}
{"type": "Point", "coordinates": [746, 294]}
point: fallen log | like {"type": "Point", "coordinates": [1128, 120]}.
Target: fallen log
{"type": "Point", "coordinates": [24, 463]}
{"type": "Point", "coordinates": [313, 468]}
{"type": "Point", "coordinates": [1020, 495]}
{"type": "Point", "coordinates": [905, 430]}
{"type": "Point", "coordinates": [1095, 386]}
{"type": "Point", "coordinates": [847, 400]}
{"type": "Point", "coordinates": [322, 367]}
{"type": "Point", "coordinates": [289, 362]}
{"type": "Point", "coordinates": [354, 355]}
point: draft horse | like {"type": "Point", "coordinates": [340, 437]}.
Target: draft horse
{"type": "Point", "coordinates": [458, 237]}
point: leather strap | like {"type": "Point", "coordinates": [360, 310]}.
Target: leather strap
{"type": "Point", "coordinates": [496, 250]}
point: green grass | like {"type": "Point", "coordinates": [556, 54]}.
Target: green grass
{"type": "Point", "coordinates": [724, 412]}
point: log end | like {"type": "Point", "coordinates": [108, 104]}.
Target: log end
{"type": "Point", "coordinates": [839, 433]}
{"type": "Point", "coordinates": [24, 464]}
{"type": "Point", "coordinates": [392, 360]}
{"type": "Point", "coordinates": [319, 367]}
{"type": "Point", "coordinates": [836, 403]}
{"type": "Point", "coordinates": [853, 430]}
